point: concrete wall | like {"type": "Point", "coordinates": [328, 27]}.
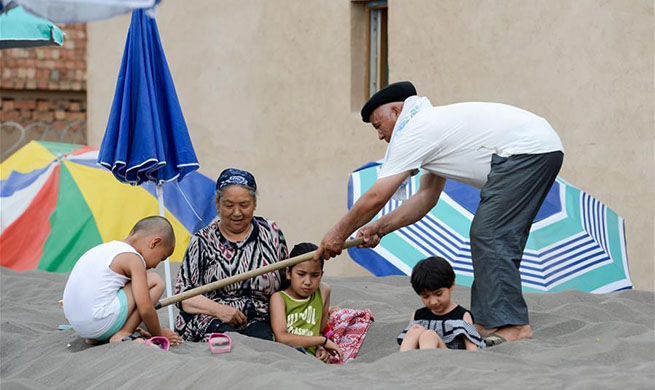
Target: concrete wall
{"type": "Point", "coordinates": [585, 65]}
{"type": "Point", "coordinates": [265, 86]}
{"type": "Point", "coordinates": [273, 87]}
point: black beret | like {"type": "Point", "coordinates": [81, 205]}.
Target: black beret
{"type": "Point", "coordinates": [396, 92]}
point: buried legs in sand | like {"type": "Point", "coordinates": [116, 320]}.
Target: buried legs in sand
{"type": "Point", "coordinates": [156, 288]}
{"type": "Point", "coordinates": [420, 338]}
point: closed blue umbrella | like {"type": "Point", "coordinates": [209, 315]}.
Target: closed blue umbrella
{"type": "Point", "coordinates": [147, 138]}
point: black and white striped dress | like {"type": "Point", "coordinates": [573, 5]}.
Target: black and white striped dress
{"type": "Point", "coordinates": [211, 257]}
{"type": "Point", "coordinates": [449, 327]}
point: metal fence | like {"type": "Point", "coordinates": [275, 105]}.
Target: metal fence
{"type": "Point", "coordinates": [14, 135]}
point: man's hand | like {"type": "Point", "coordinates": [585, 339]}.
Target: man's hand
{"type": "Point", "coordinates": [366, 207]}
{"type": "Point", "coordinates": [172, 337]}
{"type": "Point", "coordinates": [371, 234]}
{"type": "Point", "coordinates": [231, 316]}
{"type": "Point", "coordinates": [331, 246]}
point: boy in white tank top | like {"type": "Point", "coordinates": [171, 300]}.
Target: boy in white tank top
{"type": "Point", "coordinates": [109, 292]}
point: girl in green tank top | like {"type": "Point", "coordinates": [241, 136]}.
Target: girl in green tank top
{"type": "Point", "coordinates": [300, 311]}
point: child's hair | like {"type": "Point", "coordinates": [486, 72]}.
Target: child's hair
{"type": "Point", "coordinates": [432, 274]}
{"type": "Point", "coordinates": [155, 225]}
{"type": "Point", "coordinates": [299, 249]}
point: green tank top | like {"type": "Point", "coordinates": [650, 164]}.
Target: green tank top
{"type": "Point", "coordinates": [304, 315]}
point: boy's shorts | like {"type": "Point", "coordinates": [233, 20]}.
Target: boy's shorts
{"type": "Point", "coordinates": [120, 321]}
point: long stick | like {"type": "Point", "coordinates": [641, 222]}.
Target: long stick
{"type": "Point", "coordinates": [246, 275]}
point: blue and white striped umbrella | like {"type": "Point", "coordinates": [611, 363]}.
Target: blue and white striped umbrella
{"type": "Point", "coordinates": [575, 242]}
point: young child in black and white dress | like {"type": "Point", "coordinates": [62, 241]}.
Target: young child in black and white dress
{"type": "Point", "coordinates": [441, 323]}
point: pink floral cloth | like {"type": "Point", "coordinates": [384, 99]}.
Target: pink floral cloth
{"type": "Point", "coordinates": [349, 327]}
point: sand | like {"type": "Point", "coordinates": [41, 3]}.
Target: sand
{"type": "Point", "coordinates": [581, 341]}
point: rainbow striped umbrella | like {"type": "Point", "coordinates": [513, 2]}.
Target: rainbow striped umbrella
{"type": "Point", "coordinates": [57, 202]}
{"type": "Point", "coordinates": [575, 242]}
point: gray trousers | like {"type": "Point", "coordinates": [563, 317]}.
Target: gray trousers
{"type": "Point", "coordinates": [509, 202]}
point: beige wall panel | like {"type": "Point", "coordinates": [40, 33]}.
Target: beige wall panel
{"type": "Point", "coordinates": [264, 86]}
{"type": "Point", "coordinates": [271, 86]}
{"type": "Point", "coordinates": [585, 65]}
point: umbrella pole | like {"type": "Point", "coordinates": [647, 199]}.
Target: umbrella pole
{"type": "Point", "coordinates": [244, 276]}
{"type": "Point", "coordinates": [167, 264]}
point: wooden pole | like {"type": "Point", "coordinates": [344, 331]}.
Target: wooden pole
{"type": "Point", "coordinates": [246, 275]}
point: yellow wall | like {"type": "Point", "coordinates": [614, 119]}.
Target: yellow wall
{"type": "Point", "coordinates": [275, 87]}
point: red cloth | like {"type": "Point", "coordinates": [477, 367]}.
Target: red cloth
{"type": "Point", "coordinates": [349, 327]}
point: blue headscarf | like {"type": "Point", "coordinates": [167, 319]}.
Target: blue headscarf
{"type": "Point", "coordinates": [233, 176]}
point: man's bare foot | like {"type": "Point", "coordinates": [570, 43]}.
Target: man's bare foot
{"type": "Point", "coordinates": [92, 341]}
{"type": "Point", "coordinates": [514, 332]}
{"type": "Point", "coordinates": [484, 332]}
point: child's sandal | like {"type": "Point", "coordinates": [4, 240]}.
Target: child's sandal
{"type": "Point", "coordinates": [219, 343]}
{"type": "Point", "coordinates": [160, 342]}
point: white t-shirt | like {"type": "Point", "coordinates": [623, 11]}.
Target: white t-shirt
{"type": "Point", "coordinates": [91, 302]}
{"type": "Point", "coordinates": [456, 141]}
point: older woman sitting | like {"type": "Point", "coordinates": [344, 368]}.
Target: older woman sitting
{"type": "Point", "coordinates": [233, 243]}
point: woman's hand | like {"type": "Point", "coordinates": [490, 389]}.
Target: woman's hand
{"type": "Point", "coordinates": [334, 349]}
{"type": "Point", "coordinates": [322, 354]}
{"type": "Point", "coordinates": [172, 337]}
{"type": "Point", "coordinates": [231, 316]}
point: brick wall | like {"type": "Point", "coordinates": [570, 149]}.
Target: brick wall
{"type": "Point", "coordinates": [43, 90]}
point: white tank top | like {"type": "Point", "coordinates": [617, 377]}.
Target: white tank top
{"type": "Point", "coordinates": [90, 296]}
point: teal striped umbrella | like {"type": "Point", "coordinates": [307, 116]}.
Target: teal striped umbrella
{"type": "Point", "coordinates": [19, 28]}
{"type": "Point", "coordinates": [575, 242]}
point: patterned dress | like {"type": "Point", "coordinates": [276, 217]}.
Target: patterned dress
{"type": "Point", "coordinates": [211, 257]}
{"type": "Point", "coordinates": [451, 327]}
